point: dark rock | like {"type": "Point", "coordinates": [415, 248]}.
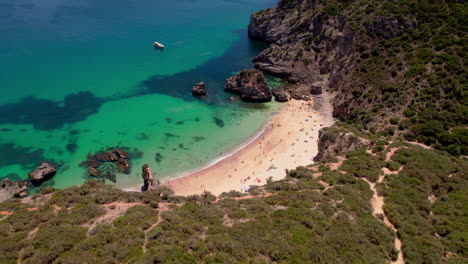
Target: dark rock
{"type": "Point", "coordinates": [218, 121]}
{"type": "Point", "coordinates": [123, 166]}
{"type": "Point", "coordinates": [199, 89]}
{"type": "Point", "coordinates": [113, 155]}
{"type": "Point", "coordinates": [11, 189]}
{"type": "Point", "coordinates": [158, 157]}
{"type": "Point", "coordinates": [280, 95]}
{"type": "Point", "coordinates": [198, 138]}
{"type": "Point", "coordinates": [388, 28]}
{"type": "Point", "coordinates": [251, 85]}
{"type": "Point", "coordinates": [42, 173]}
{"type": "Point", "coordinates": [122, 153]}
{"type": "Point", "coordinates": [106, 164]}
{"type": "Point", "coordinates": [316, 90]}
{"type": "Point", "coordinates": [71, 147]}
{"type": "Point", "coordinates": [333, 142]}
{"type": "Point", "coordinates": [93, 172]}
{"type": "Point", "coordinates": [149, 183]}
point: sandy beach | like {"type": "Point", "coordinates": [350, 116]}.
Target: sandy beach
{"type": "Point", "coordinates": [288, 140]}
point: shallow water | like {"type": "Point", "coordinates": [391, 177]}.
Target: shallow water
{"type": "Point", "coordinates": [81, 76]}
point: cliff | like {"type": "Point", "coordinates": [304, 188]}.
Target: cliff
{"type": "Point", "coordinates": [396, 66]}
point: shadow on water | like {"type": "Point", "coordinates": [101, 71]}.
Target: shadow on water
{"type": "Point", "coordinates": [213, 72]}
{"type": "Point", "coordinates": [46, 114]}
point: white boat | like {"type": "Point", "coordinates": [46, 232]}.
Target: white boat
{"type": "Point", "coordinates": [158, 45]}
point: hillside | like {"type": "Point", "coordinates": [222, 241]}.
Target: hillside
{"type": "Point", "coordinates": [341, 211]}
{"type": "Point", "coordinates": [398, 67]}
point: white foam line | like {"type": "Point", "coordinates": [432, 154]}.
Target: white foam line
{"type": "Point", "coordinates": [218, 160]}
{"type": "Point", "coordinates": [209, 164]}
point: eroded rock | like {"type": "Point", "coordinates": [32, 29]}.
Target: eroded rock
{"type": "Point", "coordinates": [149, 182]}
{"type": "Point", "coordinates": [251, 85]}
{"type": "Point", "coordinates": [13, 189]}
{"type": "Point", "coordinates": [280, 95]}
{"type": "Point", "coordinates": [42, 173]}
{"type": "Point", "coordinates": [333, 142]}
{"type": "Point", "coordinates": [107, 163]}
{"type": "Point", "coordinates": [199, 89]}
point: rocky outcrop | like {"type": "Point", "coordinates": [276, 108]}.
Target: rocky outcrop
{"type": "Point", "coordinates": [12, 189]}
{"type": "Point", "coordinates": [315, 49]}
{"type": "Point", "coordinates": [305, 48]}
{"type": "Point", "coordinates": [107, 164]}
{"type": "Point", "coordinates": [149, 182]}
{"type": "Point", "coordinates": [280, 95]}
{"type": "Point", "coordinates": [42, 173]}
{"type": "Point", "coordinates": [389, 27]}
{"type": "Point", "coordinates": [199, 89]}
{"type": "Point", "coordinates": [333, 142]}
{"type": "Point", "coordinates": [251, 85]}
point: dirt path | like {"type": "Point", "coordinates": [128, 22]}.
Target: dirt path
{"type": "Point", "coordinates": [378, 202]}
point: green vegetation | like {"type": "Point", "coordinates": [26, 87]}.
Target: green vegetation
{"type": "Point", "coordinates": [427, 203]}
{"type": "Point", "coordinates": [295, 224]}
{"type": "Point", "coordinates": [420, 71]}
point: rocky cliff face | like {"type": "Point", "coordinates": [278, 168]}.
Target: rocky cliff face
{"type": "Point", "coordinates": [307, 47]}
{"type": "Point", "coordinates": [10, 189]}
{"type": "Point", "coordinates": [251, 85]}
{"type": "Point", "coordinates": [319, 45]}
{"type": "Point", "coordinates": [333, 142]}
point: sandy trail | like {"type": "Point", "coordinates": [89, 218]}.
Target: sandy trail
{"type": "Point", "coordinates": [378, 203]}
{"type": "Point", "coordinates": [289, 140]}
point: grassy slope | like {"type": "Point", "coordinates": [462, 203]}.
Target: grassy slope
{"type": "Point", "coordinates": [297, 220]}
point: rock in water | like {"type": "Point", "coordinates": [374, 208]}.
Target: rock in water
{"type": "Point", "coordinates": [280, 95]}
{"type": "Point", "coordinates": [251, 85]}
{"type": "Point", "coordinates": [10, 189]}
{"type": "Point", "coordinates": [199, 89]}
{"type": "Point", "coordinates": [44, 172]}
{"type": "Point", "coordinates": [123, 166]}
{"type": "Point", "coordinates": [149, 183]}
{"type": "Point", "coordinates": [93, 171]}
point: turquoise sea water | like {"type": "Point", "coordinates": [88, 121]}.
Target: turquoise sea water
{"type": "Point", "coordinates": [81, 76]}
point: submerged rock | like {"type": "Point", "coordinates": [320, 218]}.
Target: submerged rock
{"type": "Point", "coordinates": [149, 183]}
{"type": "Point", "coordinates": [251, 85]}
{"type": "Point", "coordinates": [42, 173]}
{"type": "Point", "coordinates": [93, 172]}
{"type": "Point", "coordinates": [280, 95]}
{"type": "Point", "coordinates": [13, 189]}
{"type": "Point", "coordinates": [199, 89]}
{"type": "Point", "coordinates": [107, 164]}
{"type": "Point", "coordinates": [123, 166]}
{"type": "Point", "coordinates": [218, 121]}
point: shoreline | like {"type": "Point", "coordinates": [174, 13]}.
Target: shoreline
{"type": "Point", "coordinates": [267, 154]}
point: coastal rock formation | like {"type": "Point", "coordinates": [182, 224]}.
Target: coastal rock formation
{"type": "Point", "coordinates": [333, 142]}
{"type": "Point", "coordinates": [316, 44]}
{"type": "Point", "coordinates": [199, 89]}
{"type": "Point", "coordinates": [251, 85]}
{"type": "Point", "coordinates": [150, 183]}
{"type": "Point", "coordinates": [10, 189]}
{"type": "Point", "coordinates": [123, 165]}
{"type": "Point", "coordinates": [280, 95]}
{"type": "Point", "coordinates": [107, 164]}
{"type": "Point", "coordinates": [42, 173]}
